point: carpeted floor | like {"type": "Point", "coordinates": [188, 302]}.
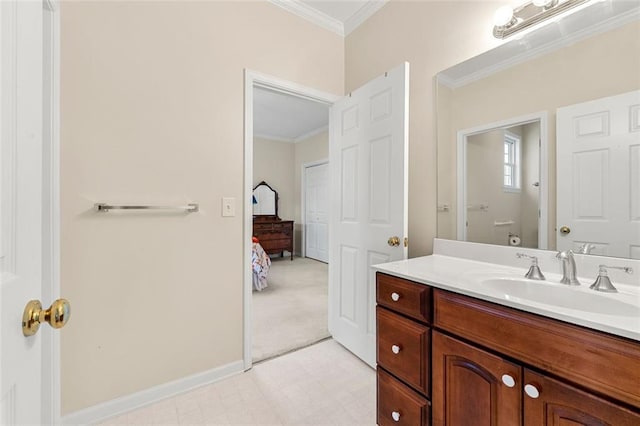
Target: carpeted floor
{"type": "Point", "coordinates": [292, 311]}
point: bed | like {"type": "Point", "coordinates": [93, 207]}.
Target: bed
{"type": "Point", "coordinates": [260, 263]}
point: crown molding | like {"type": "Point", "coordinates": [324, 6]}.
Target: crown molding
{"type": "Point", "coordinates": [311, 14]}
{"type": "Point", "coordinates": [364, 13]}
{"type": "Point", "coordinates": [312, 133]}
{"type": "Point", "coordinates": [327, 22]}
{"type": "Point", "coordinates": [297, 139]}
{"type": "Point", "coordinates": [601, 27]}
{"type": "Point", "coordinates": [273, 138]}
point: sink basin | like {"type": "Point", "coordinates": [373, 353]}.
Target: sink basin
{"type": "Point", "coordinates": [561, 296]}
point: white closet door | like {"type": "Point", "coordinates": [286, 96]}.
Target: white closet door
{"type": "Point", "coordinates": [368, 161]}
{"type": "Point", "coordinates": [598, 172]}
{"type": "Point", "coordinates": [317, 212]}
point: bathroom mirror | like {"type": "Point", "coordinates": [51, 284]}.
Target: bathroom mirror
{"type": "Point", "coordinates": [489, 188]}
{"type": "Point", "coordinates": [265, 200]}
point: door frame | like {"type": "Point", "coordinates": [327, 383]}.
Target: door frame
{"type": "Point", "coordinates": [257, 79]}
{"type": "Point", "coordinates": [303, 202]}
{"type": "Point", "coordinates": [461, 190]}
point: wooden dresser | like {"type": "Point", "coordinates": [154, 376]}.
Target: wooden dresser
{"type": "Point", "coordinates": [275, 235]}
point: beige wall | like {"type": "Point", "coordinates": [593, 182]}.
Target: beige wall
{"type": "Point", "coordinates": [530, 192]}
{"type": "Point", "coordinates": [273, 163]}
{"type": "Point", "coordinates": [431, 36]}
{"type": "Point", "coordinates": [313, 149]}
{"type": "Point", "coordinates": [590, 69]}
{"type": "Point", "coordinates": [152, 112]}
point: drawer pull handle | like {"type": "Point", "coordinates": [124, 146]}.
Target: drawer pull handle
{"type": "Point", "coordinates": [508, 380]}
{"type": "Point", "coordinates": [395, 296]}
{"type": "Point", "coordinates": [532, 391]}
{"type": "Point", "coordinates": [395, 349]}
{"type": "Point", "coordinates": [395, 416]}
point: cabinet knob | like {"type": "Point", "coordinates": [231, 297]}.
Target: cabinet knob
{"type": "Point", "coordinates": [395, 349]}
{"type": "Point", "coordinates": [395, 296]}
{"type": "Point", "coordinates": [395, 416]}
{"type": "Point", "coordinates": [508, 380]}
{"type": "Point", "coordinates": [532, 391]}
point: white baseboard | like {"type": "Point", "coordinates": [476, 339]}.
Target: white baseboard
{"type": "Point", "coordinates": [119, 406]}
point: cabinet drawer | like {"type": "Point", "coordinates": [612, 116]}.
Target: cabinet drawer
{"type": "Point", "coordinates": [282, 227]}
{"type": "Point", "coordinates": [603, 363]}
{"type": "Point", "coordinates": [264, 227]}
{"type": "Point", "coordinates": [275, 244]}
{"type": "Point", "coordinates": [406, 297]}
{"type": "Point", "coordinates": [403, 348]}
{"type": "Point", "coordinates": [397, 400]}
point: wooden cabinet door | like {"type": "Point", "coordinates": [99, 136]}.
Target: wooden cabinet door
{"type": "Point", "coordinates": [558, 404]}
{"type": "Point", "coordinates": [469, 387]}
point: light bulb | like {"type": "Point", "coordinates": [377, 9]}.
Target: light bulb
{"type": "Point", "coordinates": [503, 16]}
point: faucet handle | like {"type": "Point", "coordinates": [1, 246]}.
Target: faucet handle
{"type": "Point", "coordinates": [586, 248]}
{"type": "Point", "coordinates": [627, 269]}
{"type": "Point", "coordinates": [603, 283]}
{"type": "Point", "coordinates": [534, 272]}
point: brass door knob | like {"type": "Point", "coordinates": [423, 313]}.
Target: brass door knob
{"type": "Point", "coordinates": [57, 315]}
{"type": "Point", "coordinates": [393, 241]}
{"type": "Point", "coordinates": [565, 230]}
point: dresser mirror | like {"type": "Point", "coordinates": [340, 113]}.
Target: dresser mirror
{"type": "Point", "coordinates": [265, 200]}
{"type": "Point", "coordinates": [495, 188]}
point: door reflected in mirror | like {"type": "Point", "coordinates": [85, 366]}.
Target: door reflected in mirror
{"type": "Point", "coordinates": [501, 184]}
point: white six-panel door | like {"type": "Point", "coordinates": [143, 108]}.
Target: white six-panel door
{"type": "Point", "coordinates": [21, 39]}
{"type": "Point", "coordinates": [598, 172]}
{"type": "Point", "coordinates": [316, 194]}
{"type": "Point", "coordinates": [368, 161]}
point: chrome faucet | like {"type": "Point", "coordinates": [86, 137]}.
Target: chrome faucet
{"type": "Point", "coordinates": [534, 272]}
{"type": "Point", "coordinates": [603, 283]}
{"type": "Point", "coordinates": [586, 248]}
{"type": "Point", "coordinates": [569, 274]}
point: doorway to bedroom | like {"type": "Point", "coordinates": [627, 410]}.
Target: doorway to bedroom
{"type": "Point", "coordinates": [290, 232]}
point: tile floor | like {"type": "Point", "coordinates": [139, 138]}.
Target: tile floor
{"type": "Point", "coordinates": [323, 384]}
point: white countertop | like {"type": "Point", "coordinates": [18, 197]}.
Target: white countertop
{"type": "Point", "coordinates": [465, 276]}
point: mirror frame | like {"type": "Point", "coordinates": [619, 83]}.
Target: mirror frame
{"type": "Point", "coordinates": [263, 183]}
{"type": "Point", "coordinates": [461, 169]}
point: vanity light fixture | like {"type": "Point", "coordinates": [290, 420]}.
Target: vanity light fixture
{"type": "Point", "coordinates": [508, 20]}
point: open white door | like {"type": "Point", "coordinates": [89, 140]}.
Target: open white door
{"type": "Point", "coordinates": [368, 163]}
{"type": "Point", "coordinates": [598, 157]}
{"type": "Point", "coordinates": [25, 398]}
{"type": "Point", "coordinates": [21, 211]}
{"type": "Point", "coordinates": [316, 206]}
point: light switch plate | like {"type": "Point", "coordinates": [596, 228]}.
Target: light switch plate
{"type": "Point", "coordinates": [228, 206]}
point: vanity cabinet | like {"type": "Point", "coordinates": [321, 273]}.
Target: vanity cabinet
{"type": "Point", "coordinates": [470, 383]}
{"type": "Point", "coordinates": [499, 365]}
{"type": "Point", "coordinates": [403, 354]}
